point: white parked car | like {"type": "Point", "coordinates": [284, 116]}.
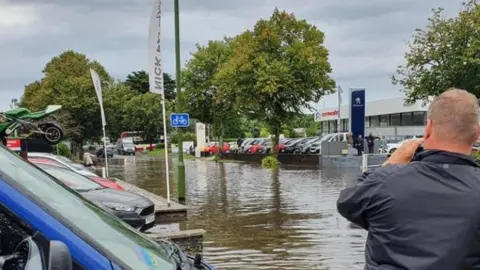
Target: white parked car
{"type": "Point", "coordinates": [392, 147]}
{"type": "Point", "coordinates": [64, 162]}
{"type": "Point", "coordinates": [233, 147]}
{"type": "Point", "coordinates": [316, 148]}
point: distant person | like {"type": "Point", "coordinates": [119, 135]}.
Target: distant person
{"type": "Point", "coordinates": [370, 143]}
{"type": "Point", "coordinates": [359, 145]}
{"type": "Point", "coordinates": [422, 210]}
{"type": "Point", "coordinates": [384, 144]}
{"type": "Point", "coordinates": [350, 143]}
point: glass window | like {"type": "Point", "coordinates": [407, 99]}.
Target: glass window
{"type": "Point", "coordinates": [384, 120]}
{"type": "Point", "coordinates": [105, 231]}
{"type": "Point", "coordinates": [407, 119]}
{"type": "Point", "coordinates": [375, 121]}
{"type": "Point", "coordinates": [395, 119]}
{"type": "Point", "coordinates": [332, 126]}
{"type": "Point", "coordinates": [419, 118]}
{"type": "Point", "coordinates": [17, 241]}
{"type": "Point", "coordinates": [325, 126]}
{"type": "Point", "coordinates": [367, 121]}
{"type": "Point", "coordinates": [345, 125]}
{"type": "Point", "coordinates": [71, 179]}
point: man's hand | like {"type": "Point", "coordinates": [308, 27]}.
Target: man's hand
{"type": "Point", "coordinates": [404, 153]}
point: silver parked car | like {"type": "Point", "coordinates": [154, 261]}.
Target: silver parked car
{"type": "Point", "coordinates": [64, 162]}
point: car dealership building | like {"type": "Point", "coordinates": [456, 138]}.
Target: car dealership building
{"type": "Point", "coordinates": [386, 117]}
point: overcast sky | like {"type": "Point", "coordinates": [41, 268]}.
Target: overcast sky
{"type": "Point", "coordinates": [365, 37]}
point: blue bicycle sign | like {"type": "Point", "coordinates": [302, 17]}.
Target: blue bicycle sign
{"type": "Point", "coordinates": [179, 120]}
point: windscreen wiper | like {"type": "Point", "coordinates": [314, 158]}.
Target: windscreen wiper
{"type": "Point", "coordinates": [180, 258]}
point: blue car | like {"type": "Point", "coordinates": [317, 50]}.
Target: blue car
{"type": "Point", "coordinates": [46, 225]}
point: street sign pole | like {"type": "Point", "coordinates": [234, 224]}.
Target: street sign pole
{"type": "Point", "coordinates": [179, 105]}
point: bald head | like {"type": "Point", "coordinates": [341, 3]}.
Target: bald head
{"type": "Point", "coordinates": [453, 117]}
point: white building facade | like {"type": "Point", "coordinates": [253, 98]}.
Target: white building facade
{"type": "Point", "coordinates": [386, 117]}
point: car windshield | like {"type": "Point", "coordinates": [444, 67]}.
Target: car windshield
{"type": "Point", "coordinates": [71, 179]}
{"type": "Point", "coordinates": [104, 231]}
{"type": "Point", "coordinates": [294, 141]}
{"type": "Point", "coordinates": [129, 144]}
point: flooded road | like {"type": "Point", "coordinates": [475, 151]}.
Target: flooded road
{"type": "Point", "coordinates": [261, 219]}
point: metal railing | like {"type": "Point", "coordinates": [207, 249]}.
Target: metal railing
{"type": "Point", "coordinates": [365, 166]}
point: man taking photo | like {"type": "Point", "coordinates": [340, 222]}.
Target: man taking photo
{"type": "Point", "coordinates": [422, 211]}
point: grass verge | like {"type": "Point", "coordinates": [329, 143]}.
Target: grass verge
{"type": "Point", "coordinates": [157, 153]}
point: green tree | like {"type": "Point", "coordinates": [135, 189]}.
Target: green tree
{"type": "Point", "coordinates": [138, 81]}
{"type": "Point", "coordinates": [445, 54]}
{"type": "Point", "coordinates": [32, 96]}
{"type": "Point", "coordinates": [67, 82]}
{"type": "Point", "coordinates": [277, 69]}
{"type": "Point", "coordinates": [206, 101]}
{"type": "Point", "coordinates": [144, 113]}
{"type": "Point", "coordinates": [115, 96]}
{"type": "Point", "coordinates": [201, 94]}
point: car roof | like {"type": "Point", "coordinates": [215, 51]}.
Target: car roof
{"type": "Point", "coordinates": [50, 165]}
{"type": "Point", "coordinates": [40, 154]}
{"type": "Point", "coordinates": [43, 160]}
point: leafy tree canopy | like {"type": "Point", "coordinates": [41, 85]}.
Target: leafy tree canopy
{"type": "Point", "coordinates": [138, 81]}
{"type": "Point", "coordinates": [445, 54]}
{"type": "Point", "coordinates": [201, 96]}
{"type": "Point", "coordinates": [277, 69]}
{"type": "Point", "coordinates": [67, 81]}
{"type": "Point", "coordinates": [144, 113]}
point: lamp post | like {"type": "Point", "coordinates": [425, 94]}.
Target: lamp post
{"type": "Point", "coordinates": [179, 106]}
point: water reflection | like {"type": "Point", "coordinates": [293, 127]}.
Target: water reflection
{"type": "Point", "coordinates": [263, 219]}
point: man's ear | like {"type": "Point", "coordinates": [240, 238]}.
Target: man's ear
{"type": "Point", "coordinates": [478, 131]}
{"type": "Point", "coordinates": [428, 129]}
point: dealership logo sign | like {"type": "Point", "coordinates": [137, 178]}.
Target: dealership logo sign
{"type": "Point", "coordinates": [320, 115]}
{"type": "Point", "coordinates": [357, 102]}
{"type": "Point", "coordinates": [332, 113]}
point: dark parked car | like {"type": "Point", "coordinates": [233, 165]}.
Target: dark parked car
{"type": "Point", "coordinates": [101, 152]}
{"type": "Point", "coordinates": [290, 146]}
{"type": "Point", "coordinates": [137, 211]}
{"type": "Point", "coordinates": [304, 146]}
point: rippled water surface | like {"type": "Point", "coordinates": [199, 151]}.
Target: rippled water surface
{"type": "Point", "coordinates": [259, 219]}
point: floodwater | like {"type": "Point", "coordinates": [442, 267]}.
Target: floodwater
{"type": "Point", "coordinates": [261, 219]}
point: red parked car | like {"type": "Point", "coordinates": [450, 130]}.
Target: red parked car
{"type": "Point", "coordinates": [212, 149]}
{"type": "Point", "coordinates": [105, 182]}
{"type": "Point", "coordinates": [257, 148]}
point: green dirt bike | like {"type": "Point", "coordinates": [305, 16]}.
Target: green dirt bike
{"type": "Point", "coordinates": [28, 123]}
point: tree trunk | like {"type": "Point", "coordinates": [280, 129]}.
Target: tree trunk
{"type": "Point", "coordinates": [77, 148]}
{"type": "Point", "coordinates": [220, 140]}
{"type": "Point", "coordinates": [275, 142]}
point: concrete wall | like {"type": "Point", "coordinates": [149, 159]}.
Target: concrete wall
{"type": "Point", "coordinates": [333, 148]}
{"type": "Point", "coordinates": [288, 160]}
{"type": "Point", "coordinates": [350, 161]}
{"type": "Point", "coordinates": [342, 162]}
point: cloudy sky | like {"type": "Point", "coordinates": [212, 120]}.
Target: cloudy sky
{"type": "Point", "coordinates": [365, 37]}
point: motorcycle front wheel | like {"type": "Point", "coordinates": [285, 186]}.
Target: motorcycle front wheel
{"type": "Point", "coordinates": [53, 133]}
